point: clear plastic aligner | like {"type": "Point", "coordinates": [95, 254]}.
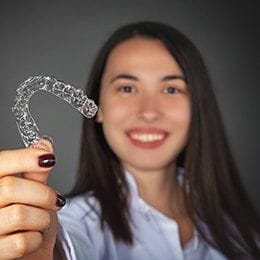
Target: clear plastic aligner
{"type": "Point", "coordinates": [24, 120]}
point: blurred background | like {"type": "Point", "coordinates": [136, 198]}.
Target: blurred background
{"type": "Point", "coordinates": [61, 38]}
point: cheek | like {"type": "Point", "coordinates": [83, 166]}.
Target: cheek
{"type": "Point", "coordinates": [115, 119]}
{"type": "Point", "coordinates": [179, 112]}
{"type": "Point", "coordinates": [116, 115]}
{"type": "Point", "coordinates": [115, 112]}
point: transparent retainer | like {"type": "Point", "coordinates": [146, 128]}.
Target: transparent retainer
{"type": "Point", "coordinates": [27, 127]}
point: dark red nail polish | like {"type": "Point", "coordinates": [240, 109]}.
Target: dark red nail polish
{"type": "Point", "coordinates": [46, 160]}
{"type": "Point", "coordinates": [61, 201]}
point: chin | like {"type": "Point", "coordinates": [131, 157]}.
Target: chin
{"type": "Point", "coordinates": [145, 166]}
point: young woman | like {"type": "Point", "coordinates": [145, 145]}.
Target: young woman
{"type": "Point", "coordinates": [156, 179]}
{"type": "Point", "coordinates": [157, 113]}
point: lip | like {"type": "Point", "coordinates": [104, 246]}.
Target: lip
{"type": "Point", "coordinates": [147, 145]}
{"type": "Point", "coordinates": [148, 130]}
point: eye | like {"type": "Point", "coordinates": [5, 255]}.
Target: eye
{"type": "Point", "coordinates": [126, 89]}
{"type": "Point", "coordinates": [171, 90]}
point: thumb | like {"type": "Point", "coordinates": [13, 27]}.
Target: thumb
{"type": "Point", "coordinates": [45, 145]}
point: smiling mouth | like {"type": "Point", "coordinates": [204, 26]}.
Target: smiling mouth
{"type": "Point", "coordinates": [147, 139]}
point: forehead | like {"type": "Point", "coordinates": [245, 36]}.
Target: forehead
{"type": "Point", "coordinates": [139, 54]}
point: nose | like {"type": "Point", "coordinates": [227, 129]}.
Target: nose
{"type": "Point", "coordinates": [149, 109]}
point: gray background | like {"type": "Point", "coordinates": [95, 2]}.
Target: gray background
{"type": "Point", "coordinates": [61, 38]}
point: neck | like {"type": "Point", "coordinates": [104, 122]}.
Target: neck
{"type": "Point", "coordinates": [160, 189]}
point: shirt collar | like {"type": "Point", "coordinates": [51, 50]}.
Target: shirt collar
{"type": "Point", "coordinates": [146, 209]}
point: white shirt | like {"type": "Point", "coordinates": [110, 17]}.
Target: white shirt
{"type": "Point", "coordinates": [156, 236]}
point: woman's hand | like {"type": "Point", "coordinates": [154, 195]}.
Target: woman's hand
{"type": "Point", "coordinates": [28, 220]}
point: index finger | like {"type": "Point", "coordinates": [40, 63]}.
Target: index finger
{"type": "Point", "coordinates": [42, 177]}
{"type": "Point", "coordinates": [25, 160]}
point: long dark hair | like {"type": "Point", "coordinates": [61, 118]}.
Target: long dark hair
{"type": "Point", "coordinates": [216, 195]}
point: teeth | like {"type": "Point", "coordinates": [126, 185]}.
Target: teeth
{"type": "Point", "coordinates": [147, 137]}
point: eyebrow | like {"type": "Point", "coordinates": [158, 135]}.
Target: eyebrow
{"type": "Point", "coordinates": [134, 78]}
{"type": "Point", "coordinates": [124, 76]}
{"type": "Point", "coordinates": [173, 77]}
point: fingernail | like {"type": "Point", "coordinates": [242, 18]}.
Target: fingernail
{"type": "Point", "coordinates": [61, 201]}
{"type": "Point", "coordinates": [46, 160]}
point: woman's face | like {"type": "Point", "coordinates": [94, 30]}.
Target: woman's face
{"type": "Point", "coordinates": [144, 105]}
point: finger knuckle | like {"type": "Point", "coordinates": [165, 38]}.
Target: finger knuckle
{"type": "Point", "coordinates": [48, 196]}
{"type": "Point", "coordinates": [17, 216]}
{"type": "Point", "coordinates": [47, 220]}
{"type": "Point", "coordinates": [20, 245]}
{"type": "Point", "coordinates": [7, 187]}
